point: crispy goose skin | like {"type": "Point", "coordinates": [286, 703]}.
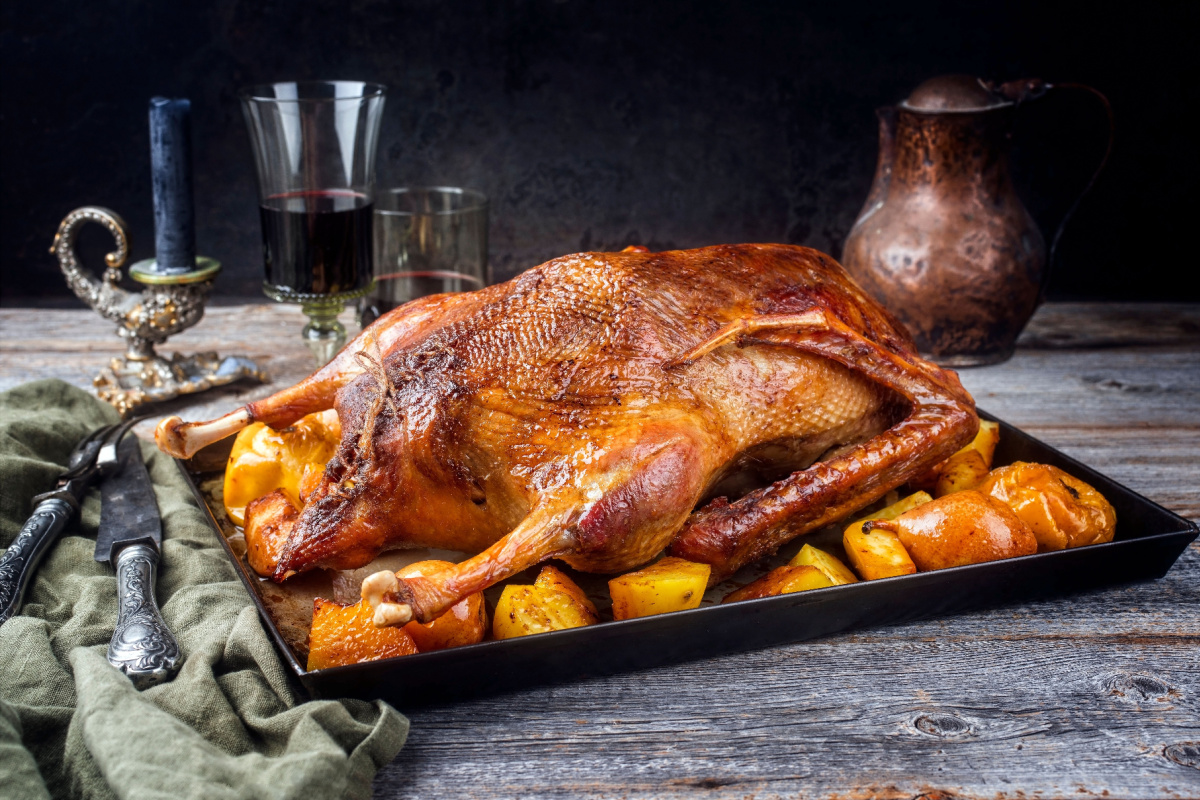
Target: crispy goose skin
{"type": "Point", "coordinates": [586, 408]}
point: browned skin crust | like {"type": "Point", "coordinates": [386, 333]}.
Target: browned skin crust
{"type": "Point", "coordinates": [585, 408]}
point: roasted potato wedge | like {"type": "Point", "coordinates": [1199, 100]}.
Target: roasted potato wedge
{"type": "Point", "coordinates": [264, 459]}
{"type": "Point", "coordinates": [901, 506]}
{"type": "Point", "coordinates": [961, 471]}
{"type": "Point", "coordinates": [876, 554]}
{"type": "Point", "coordinates": [962, 528]}
{"type": "Point", "coordinates": [671, 584]}
{"type": "Point", "coordinates": [465, 623]}
{"type": "Point", "coordinates": [831, 566]}
{"type": "Point", "coordinates": [553, 603]}
{"type": "Point", "coordinates": [782, 580]}
{"type": "Point", "coordinates": [879, 554]}
{"type": "Point", "coordinates": [1061, 510]}
{"type": "Point", "coordinates": [966, 468]}
{"type": "Point", "coordinates": [347, 635]}
{"type": "Point", "coordinates": [553, 578]}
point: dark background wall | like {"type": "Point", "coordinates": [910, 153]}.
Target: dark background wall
{"type": "Point", "coordinates": [596, 125]}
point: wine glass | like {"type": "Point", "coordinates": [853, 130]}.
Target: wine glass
{"type": "Point", "coordinates": [314, 148]}
{"type": "Point", "coordinates": [428, 240]}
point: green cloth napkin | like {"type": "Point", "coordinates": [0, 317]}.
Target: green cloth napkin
{"type": "Point", "coordinates": [230, 724]}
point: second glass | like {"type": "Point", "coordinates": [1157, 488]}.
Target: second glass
{"type": "Point", "coordinates": [314, 148]}
{"type": "Point", "coordinates": [428, 240]}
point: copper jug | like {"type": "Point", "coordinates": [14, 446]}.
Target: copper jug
{"type": "Point", "coordinates": [943, 240]}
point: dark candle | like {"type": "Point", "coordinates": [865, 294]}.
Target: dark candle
{"type": "Point", "coordinates": [171, 175]}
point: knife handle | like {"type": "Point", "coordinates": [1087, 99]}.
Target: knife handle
{"type": "Point", "coordinates": [22, 556]}
{"type": "Point", "coordinates": [142, 645]}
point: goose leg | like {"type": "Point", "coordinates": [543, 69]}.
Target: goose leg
{"type": "Point", "coordinates": [656, 483]}
{"type": "Point", "coordinates": [543, 534]}
{"type": "Point", "coordinates": [730, 535]}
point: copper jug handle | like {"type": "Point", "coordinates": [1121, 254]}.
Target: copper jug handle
{"type": "Point", "coordinates": [1022, 91]}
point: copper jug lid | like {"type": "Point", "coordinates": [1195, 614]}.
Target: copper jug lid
{"type": "Point", "coordinates": [954, 94]}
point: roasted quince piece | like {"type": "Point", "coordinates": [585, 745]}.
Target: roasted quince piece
{"type": "Point", "coordinates": [553, 603]}
{"type": "Point", "coordinates": [966, 468]}
{"type": "Point", "coordinates": [961, 528]}
{"type": "Point", "coordinates": [347, 635]}
{"type": "Point", "coordinates": [672, 584]}
{"type": "Point", "coordinates": [1062, 510]}
{"type": "Point", "coordinates": [465, 623]}
{"type": "Point", "coordinates": [781, 580]}
{"type": "Point", "coordinates": [264, 459]}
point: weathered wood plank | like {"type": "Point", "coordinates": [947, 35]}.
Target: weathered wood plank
{"type": "Point", "coordinates": [1075, 326]}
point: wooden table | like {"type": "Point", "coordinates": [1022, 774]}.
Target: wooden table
{"type": "Point", "coordinates": [1092, 695]}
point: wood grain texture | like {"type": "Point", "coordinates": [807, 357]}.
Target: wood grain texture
{"type": "Point", "coordinates": [1096, 695]}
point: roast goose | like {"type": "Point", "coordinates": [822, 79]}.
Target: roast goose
{"type": "Point", "coordinates": [602, 407]}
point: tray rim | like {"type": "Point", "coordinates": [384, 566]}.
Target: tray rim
{"type": "Point", "coordinates": [493, 648]}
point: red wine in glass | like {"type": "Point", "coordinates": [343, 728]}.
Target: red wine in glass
{"type": "Point", "coordinates": [317, 242]}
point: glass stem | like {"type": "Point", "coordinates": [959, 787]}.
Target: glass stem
{"type": "Point", "coordinates": [323, 334]}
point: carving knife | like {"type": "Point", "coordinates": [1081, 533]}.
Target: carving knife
{"type": "Point", "coordinates": [130, 538]}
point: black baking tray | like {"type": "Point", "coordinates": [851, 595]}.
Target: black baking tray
{"type": "Point", "coordinates": [1148, 540]}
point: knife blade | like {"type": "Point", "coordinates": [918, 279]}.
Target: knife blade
{"type": "Point", "coordinates": [130, 536]}
{"type": "Point", "coordinates": [128, 510]}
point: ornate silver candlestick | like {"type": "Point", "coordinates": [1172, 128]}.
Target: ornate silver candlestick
{"type": "Point", "coordinates": [168, 304]}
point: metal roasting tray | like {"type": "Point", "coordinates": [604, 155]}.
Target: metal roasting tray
{"type": "Point", "coordinates": [1148, 540]}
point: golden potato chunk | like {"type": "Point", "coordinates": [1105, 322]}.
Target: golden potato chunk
{"type": "Point", "coordinates": [782, 580]}
{"type": "Point", "coordinates": [961, 471]}
{"type": "Point", "coordinates": [554, 579]}
{"type": "Point", "coordinates": [465, 623]}
{"type": "Point", "coordinates": [347, 635]}
{"type": "Point", "coordinates": [966, 468]}
{"type": "Point", "coordinates": [552, 603]}
{"type": "Point", "coordinates": [1062, 510]}
{"type": "Point", "coordinates": [671, 584]}
{"type": "Point", "coordinates": [264, 459]}
{"type": "Point", "coordinates": [876, 554]}
{"type": "Point", "coordinates": [831, 566]}
{"type": "Point", "coordinates": [961, 528]}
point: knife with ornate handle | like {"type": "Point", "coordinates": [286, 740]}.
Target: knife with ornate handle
{"type": "Point", "coordinates": [51, 513]}
{"type": "Point", "coordinates": [130, 537]}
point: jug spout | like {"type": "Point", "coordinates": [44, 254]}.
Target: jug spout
{"type": "Point", "coordinates": [883, 168]}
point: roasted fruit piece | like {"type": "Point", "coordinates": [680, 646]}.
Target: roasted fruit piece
{"type": "Point", "coordinates": [830, 566]}
{"type": "Point", "coordinates": [553, 603]}
{"type": "Point", "coordinates": [346, 635]}
{"type": "Point", "coordinates": [671, 584]}
{"type": "Point", "coordinates": [781, 580]}
{"type": "Point", "coordinates": [961, 528]}
{"type": "Point", "coordinates": [876, 554]}
{"type": "Point", "coordinates": [1062, 510]}
{"type": "Point", "coordinates": [263, 460]}
{"type": "Point", "coordinates": [465, 623]}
